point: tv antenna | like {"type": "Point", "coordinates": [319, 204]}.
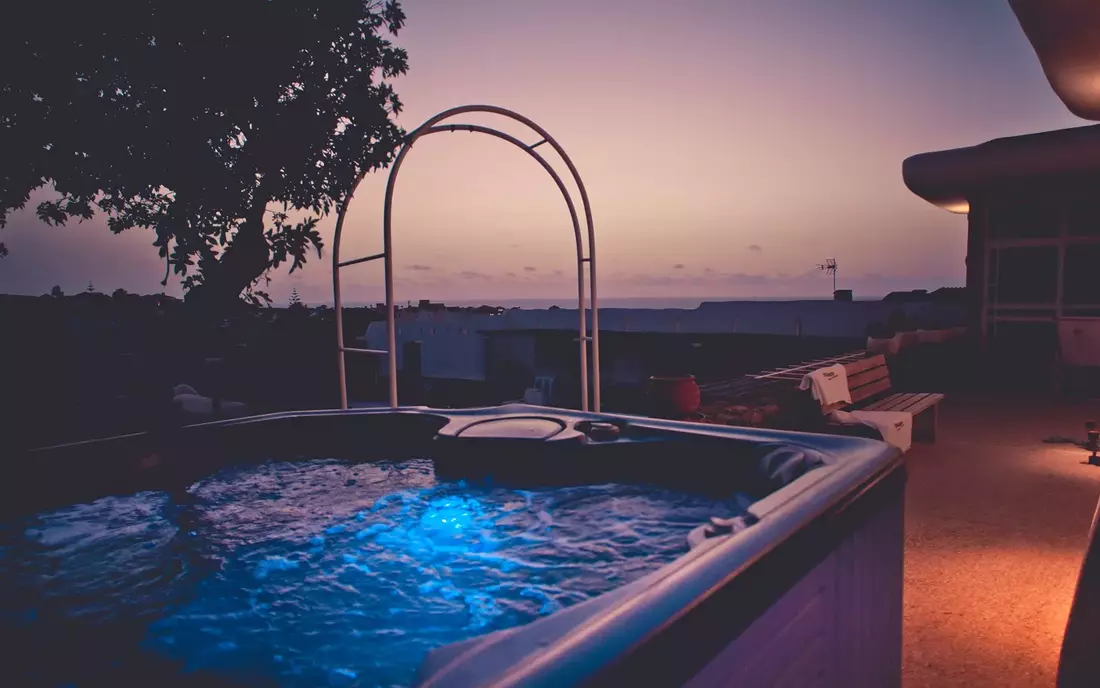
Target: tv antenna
{"type": "Point", "coordinates": [829, 266]}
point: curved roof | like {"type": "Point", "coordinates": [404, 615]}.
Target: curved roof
{"type": "Point", "coordinates": [950, 178]}
{"type": "Point", "coordinates": [1066, 37]}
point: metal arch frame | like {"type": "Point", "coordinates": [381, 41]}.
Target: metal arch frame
{"type": "Point", "coordinates": [432, 126]}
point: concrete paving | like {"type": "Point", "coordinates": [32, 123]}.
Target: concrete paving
{"type": "Point", "coordinates": [996, 525]}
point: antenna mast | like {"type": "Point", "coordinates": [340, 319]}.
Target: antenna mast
{"type": "Point", "coordinates": [829, 266]}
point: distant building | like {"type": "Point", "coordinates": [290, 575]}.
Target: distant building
{"type": "Point", "coordinates": [718, 339]}
{"type": "Point", "coordinates": [942, 294]}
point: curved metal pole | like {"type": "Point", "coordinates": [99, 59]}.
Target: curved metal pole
{"type": "Point", "coordinates": [387, 233]}
{"type": "Point", "coordinates": [568, 202]}
{"type": "Point", "coordinates": [424, 129]}
{"type": "Point", "coordinates": [337, 304]}
{"type": "Point", "coordinates": [591, 260]}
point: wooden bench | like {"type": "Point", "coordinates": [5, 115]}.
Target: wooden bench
{"type": "Point", "coordinates": [870, 386]}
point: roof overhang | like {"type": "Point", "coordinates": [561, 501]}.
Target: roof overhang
{"type": "Point", "coordinates": [952, 178]}
{"type": "Point", "coordinates": [1066, 37]}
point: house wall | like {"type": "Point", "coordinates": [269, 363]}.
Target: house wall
{"type": "Point", "coordinates": [515, 358]}
{"type": "Point", "coordinates": [453, 346]}
{"type": "Point", "coordinates": [510, 363]}
{"type": "Point", "coordinates": [975, 266]}
{"type": "Point", "coordinates": [1033, 256]}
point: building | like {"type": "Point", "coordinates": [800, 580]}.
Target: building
{"type": "Point", "coordinates": [507, 349]}
{"type": "Point", "coordinates": [1033, 247]}
{"type": "Point", "coordinates": [1034, 214]}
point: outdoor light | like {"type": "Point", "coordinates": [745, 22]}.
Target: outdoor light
{"type": "Point", "coordinates": [1092, 443]}
{"type": "Point", "coordinates": [960, 207]}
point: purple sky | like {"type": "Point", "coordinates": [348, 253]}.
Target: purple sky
{"type": "Point", "coordinates": [727, 149]}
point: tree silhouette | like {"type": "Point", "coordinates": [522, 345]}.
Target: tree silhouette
{"type": "Point", "coordinates": [295, 300]}
{"type": "Point", "coordinates": [210, 122]}
{"type": "Point", "coordinates": [91, 288]}
{"type": "Point", "coordinates": [56, 292]}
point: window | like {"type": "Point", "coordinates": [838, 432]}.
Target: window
{"type": "Point", "coordinates": [1023, 275]}
{"type": "Point", "coordinates": [1081, 279]}
{"type": "Point", "coordinates": [1083, 217]}
{"type": "Point", "coordinates": [1022, 219]}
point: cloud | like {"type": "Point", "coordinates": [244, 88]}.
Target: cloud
{"type": "Point", "coordinates": [419, 268]}
{"type": "Point", "coordinates": [530, 269]}
{"type": "Point", "coordinates": [471, 275]}
{"type": "Point", "coordinates": [558, 273]}
{"type": "Point", "coordinates": [510, 274]}
{"type": "Point", "coordinates": [756, 248]}
{"type": "Point", "coordinates": [678, 266]}
{"type": "Point", "coordinates": [813, 283]}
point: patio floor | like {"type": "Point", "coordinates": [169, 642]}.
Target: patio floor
{"type": "Point", "coordinates": [996, 525]}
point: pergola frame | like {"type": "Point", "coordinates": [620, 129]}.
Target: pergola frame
{"type": "Point", "coordinates": [433, 126]}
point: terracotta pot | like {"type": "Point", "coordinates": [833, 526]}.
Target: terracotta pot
{"type": "Point", "coordinates": [674, 396]}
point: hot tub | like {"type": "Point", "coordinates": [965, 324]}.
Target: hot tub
{"type": "Point", "coordinates": [514, 545]}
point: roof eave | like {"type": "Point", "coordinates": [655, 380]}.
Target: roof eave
{"type": "Point", "coordinates": [951, 179]}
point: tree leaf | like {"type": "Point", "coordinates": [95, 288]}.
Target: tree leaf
{"type": "Point", "coordinates": [193, 118]}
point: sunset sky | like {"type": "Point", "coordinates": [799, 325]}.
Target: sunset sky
{"type": "Point", "coordinates": [728, 147]}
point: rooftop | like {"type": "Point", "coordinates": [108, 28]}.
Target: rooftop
{"type": "Point", "coordinates": [952, 178]}
{"type": "Point", "coordinates": [996, 528]}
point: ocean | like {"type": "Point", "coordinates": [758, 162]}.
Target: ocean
{"type": "Point", "coordinates": [657, 302]}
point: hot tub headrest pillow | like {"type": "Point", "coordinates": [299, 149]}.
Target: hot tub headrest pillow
{"type": "Point", "coordinates": [781, 464]}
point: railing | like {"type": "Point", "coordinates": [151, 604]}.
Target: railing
{"type": "Point", "coordinates": [757, 383]}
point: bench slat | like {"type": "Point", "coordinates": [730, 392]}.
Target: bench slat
{"type": "Point", "coordinates": [858, 395]}
{"type": "Point", "coordinates": [911, 402]}
{"type": "Point", "coordinates": [868, 391]}
{"type": "Point", "coordinates": [924, 402]}
{"type": "Point", "coordinates": [928, 402]}
{"type": "Point", "coordinates": [894, 402]}
{"type": "Point", "coordinates": [889, 403]}
{"type": "Point", "coordinates": [863, 364]}
{"type": "Point", "coordinates": [866, 377]}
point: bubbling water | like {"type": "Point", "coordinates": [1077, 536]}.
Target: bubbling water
{"type": "Point", "coordinates": [329, 573]}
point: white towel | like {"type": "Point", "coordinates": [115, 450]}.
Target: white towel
{"type": "Point", "coordinates": [828, 385]}
{"type": "Point", "coordinates": [896, 427]}
{"type": "Point", "coordinates": [1079, 340]}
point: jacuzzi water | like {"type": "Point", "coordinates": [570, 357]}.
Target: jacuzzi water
{"type": "Point", "coordinates": [327, 573]}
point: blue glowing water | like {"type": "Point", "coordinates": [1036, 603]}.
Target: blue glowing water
{"type": "Point", "coordinates": [328, 573]}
